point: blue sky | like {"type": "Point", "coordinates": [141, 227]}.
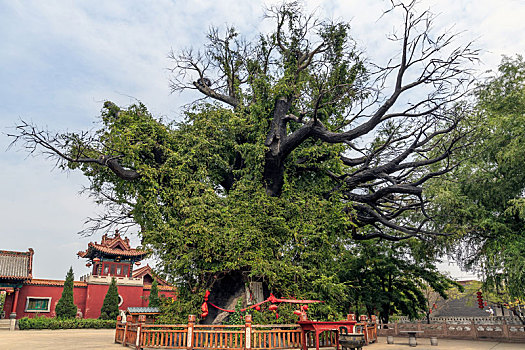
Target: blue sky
{"type": "Point", "coordinates": [59, 60]}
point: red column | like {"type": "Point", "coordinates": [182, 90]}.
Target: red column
{"type": "Point", "coordinates": [15, 304]}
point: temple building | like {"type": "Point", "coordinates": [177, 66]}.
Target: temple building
{"type": "Point", "coordinates": [112, 257]}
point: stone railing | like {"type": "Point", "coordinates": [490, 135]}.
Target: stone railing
{"type": "Point", "coordinates": [459, 329]}
{"type": "Point", "coordinates": [466, 320]}
{"type": "Point", "coordinates": [121, 281]}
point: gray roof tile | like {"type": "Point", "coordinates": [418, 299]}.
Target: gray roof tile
{"type": "Point", "coordinates": [16, 265]}
{"type": "Point", "coordinates": [143, 310]}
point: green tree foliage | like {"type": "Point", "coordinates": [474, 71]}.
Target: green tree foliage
{"type": "Point", "coordinates": [154, 300]}
{"type": "Point", "coordinates": [176, 310]}
{"type": "Point", "coordinates": [2, 301]}
{"type": "Point", "coordinates": [300, 149]}
{"type": "Point", "coordinates": [109, 310]}
{"type": "Point", "coordinates": [385, 279]}
{"type": "Point", "coordinates": [484, 198]}
{"type": "Point", "coordinates": [65, 307]}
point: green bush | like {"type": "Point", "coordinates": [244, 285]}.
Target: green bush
{"type": "Point", "coordinates": [109, 309]}
{"type": "Point", "coordinates": [154, 300]}
{"type": "Point", "coordinates": [41, 322]}
{"type": "Point", "coordinates": [65, 307]}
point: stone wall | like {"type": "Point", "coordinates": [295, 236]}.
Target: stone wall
{"type": "Point", "coordinates": [493, 328]}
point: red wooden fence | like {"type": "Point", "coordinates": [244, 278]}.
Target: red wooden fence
{"type": "Point", "coordinates": [221, 337]}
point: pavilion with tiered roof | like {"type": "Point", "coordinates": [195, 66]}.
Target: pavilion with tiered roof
{"type": "Point", "coordinates": [112, 258]}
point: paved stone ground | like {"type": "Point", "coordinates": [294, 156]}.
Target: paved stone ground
{"type": "Point", "coordinates": [443, 344]}
{"type": "Point", "coordinates": [60, 339]}
{"type": "Point", "coordinates": [103, 339]}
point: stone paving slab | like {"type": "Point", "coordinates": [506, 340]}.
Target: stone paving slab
{"type": "Point", "coordinates": [67, 339]}
{"type": "Point", "coordinates": [401, 343]}
{"type": "Point", "coordinates": [59, 339]}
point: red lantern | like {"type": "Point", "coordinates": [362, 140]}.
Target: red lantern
{"type": "Point", "coordinates": [258, 308]}
{"type": "Point", "coordinates": [272, 307]}
{"type": "Point", "coordinates": [480, 300]}
{"type": "Point", "coordinates": [297, 312]}
{"type": "Point", "coordinates": [137, 263]}
{"type": "Point", "coordinates": [305, 307]}
{"type": "Point", "coordinates": [88, 264]}
{"type": "Point", "coordinates": [96, 260]}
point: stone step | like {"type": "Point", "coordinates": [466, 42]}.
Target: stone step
{"type": "Point", "coordinates": [5, 324]}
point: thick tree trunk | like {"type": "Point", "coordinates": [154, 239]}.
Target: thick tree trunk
{"type": "Point", "coordinates": [273, 174]}
{"type": "Point", "coordinates": [276, 155]}
{"type": "Point", "coordinates": [225, 294]}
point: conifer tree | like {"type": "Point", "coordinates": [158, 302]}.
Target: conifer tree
{"type": "Point", "coordinates": [65, 307]}
{"type": "Point", "coordinates": [154, 300]}
{"type": "Point", "coordinates": [109, 310]}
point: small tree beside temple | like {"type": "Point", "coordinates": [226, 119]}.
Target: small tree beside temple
{"type": "Point", "coordinates": [154, 300]}
{"type": "Point", "coordinates": [109, 310]}
{"type": "Point", "coordinates": [65, 307]}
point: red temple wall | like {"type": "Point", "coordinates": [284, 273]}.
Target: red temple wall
{"type": "Point", "coordinates": [96, 293]}
{"type": "Point", "coordinates": [8, 304]}
{"type": "Point", "coordinates": [88, 299]}
{"type": "Point", "coordinates": [55, 292]}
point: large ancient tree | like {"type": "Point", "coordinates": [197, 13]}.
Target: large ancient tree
{"type": "Point", "coordinates": [298, 147]}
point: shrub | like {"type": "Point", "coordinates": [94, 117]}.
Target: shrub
{"type": "Point", "coordinates": [65, 307]}
{"type": "Point", "coordinates": [41, 322]}
{"type": "Point", "coordinates": [154, 300]}
{"type": "Point", "coordinates": [109, 310]}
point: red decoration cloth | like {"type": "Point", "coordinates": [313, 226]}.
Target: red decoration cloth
{"type": "Point", "coordinates": [271, 299]}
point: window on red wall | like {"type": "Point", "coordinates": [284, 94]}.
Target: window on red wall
{"type": "Point", "coordinates": [125, 270]}
{"type": "Point", "coordinates": [37, 304]}
{"type": "Point", "coordinates": [119, 270]}
{"type": "Point", "coordinates": [106, 269]}
{"type": "Point", "coordinates": [112, 269]}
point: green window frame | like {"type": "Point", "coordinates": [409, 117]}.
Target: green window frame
{"type": "Point", "coordinates": [38, 304]}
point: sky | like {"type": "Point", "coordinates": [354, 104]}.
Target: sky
{"type": "Point", "coordinates": [59, 60]}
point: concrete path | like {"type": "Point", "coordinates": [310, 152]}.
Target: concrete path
{"type": "Point", "coordinates": [60, 339]}
{"type": "Point", "coordinates": [93, 339]}
{"type": "Point", "coordinates": [443, 344]}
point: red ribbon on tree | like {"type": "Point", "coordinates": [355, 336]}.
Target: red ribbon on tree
{"type": "Point", "coordinates": [271, 299]}
{"type": "Point", "coordinates": [204, 306]}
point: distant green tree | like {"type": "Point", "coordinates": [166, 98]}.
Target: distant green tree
{"type": "Point", "coordinates": [383, 278]}
{"type": "Point", "coordinates": [109, 309]}
{"type": "Point", "coordinates": [154, 300]}
{"type": "Point", "coordinates": [65, 307]}
{"type": "Point", "coordinates": [484, 198]}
